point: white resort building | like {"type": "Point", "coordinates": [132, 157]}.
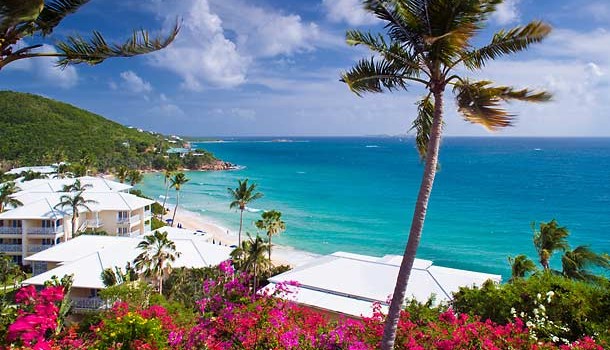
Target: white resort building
{"type": "Point", "coordinates": [40, 224]}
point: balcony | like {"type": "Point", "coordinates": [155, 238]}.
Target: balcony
{"type": "Point", "coordinates": [45, 230]}
{"type": "Point", "coordinates": [95, 223]}
{"type": "Point", "coordinates": [10, 248]}
{"type": "Point", "coordinates": [35, 248]}
{"type": "Point", "coordinates": [147, 213]}
{"type": "Point", "coordinates": [5, 230]}
{"type": "Point", "coordinates": [88, 303]}
{"type": "Point", "coordinates": [130, 220]}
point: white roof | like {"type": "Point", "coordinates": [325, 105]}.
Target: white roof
{"type": "Point", "coordinates": [43, 169]}
{"type": "Point", "coordinates": [76, 248]}
{"type": "Point", "coordinates": [350, 283]}
{"type": "Point", "coordinates": [98, 184]}
{"type": "Point", "coordinates": [40, 205]}
{"type": "Point", "coordinates": [195, 252]}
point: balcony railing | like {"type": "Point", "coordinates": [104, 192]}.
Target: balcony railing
{"type": "Point", "coordinates": [147, 213]}
{"type": "Point", "coordinates": [94, 223]}
{"type": "Point", "coordinates": [10, 248]}
{"type": "Point", "coordinates": [11, 230]}
{"type": "Point", "coordinates": [135, 233]}
{"type": "Point", "coordinates": [134, 219]}
{"type": "Point", "coordinates": [46, 230]}
{"type": "Point", "coordinates": [35, 248]}
{"type": "Point", "coordinates": [88, 303]}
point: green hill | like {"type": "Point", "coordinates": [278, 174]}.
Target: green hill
{"type": "Point", "coordinates": [37, 130]}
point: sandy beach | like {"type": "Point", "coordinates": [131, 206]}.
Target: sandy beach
{"type": "Point", "coordinates": [281, 255]}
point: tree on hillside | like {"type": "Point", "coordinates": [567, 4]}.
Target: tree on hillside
{"type": "Point", "coordinates": [271, 222]}
{"type": "Point", "coordinates": [576, 263]}
{"type": "Point", "coordinates": [22, 20]}
{"type": "Point", "coordinates": [548, 239]}
{"type": "Point", "coordinates": [250, 257]}
{"type": "Point", "coordinates": [135, 177]}
{"type": "Point", "coordinates": [430, 42]}
{"type": "Point", "coordinates": [520, 266]}
{"type": "Point", "coordinates": [242, 195]}
{"type": "Point", "coordinates": [122, 173]}
{"type": "Point", "coordinates": [176, 182]}
{"type": "Point", "coordinates": [7, 190]}
{"type": "Point", "coordinates": [75, 201]}
{"type": "Point", "coordinates": [159, 252]}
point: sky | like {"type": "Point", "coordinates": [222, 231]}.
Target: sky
{"type": "Point", "coordinates": [272, 67]}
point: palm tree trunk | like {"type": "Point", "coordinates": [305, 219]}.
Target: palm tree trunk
{"type": "Point", "coordinates": [254, 285]}
{"type": "Point", "coordinates": [241, 221]}
{"type": "Point", "coordinates": [269, 247]}
{"type": "Point", "coordinates": [73, 224]}
{"type": "Point", "coordinates": [164, 200]}
{"type": "Point", "coordinates": [417, 224]}
{"type": "Point", "coordinates": [176, 207]}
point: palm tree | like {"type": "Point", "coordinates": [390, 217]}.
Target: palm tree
{"type": "Point", "coordinates": [76, 187]}
{"type": "Point", "coordinates": [75, 201]}
{"type": "Point", "coordinates": [271, 223]}
{"type": "Point", "coordinates": [176, 182]}
{"type": "Point", "coordinates": [520, 266]}
{"type": "Point", "coordinates": [22, 21]}
{"type": "Point", "coordinates": [575, 263]}
{"type": "Point", "coordinates": [7, 190]}
{"type": "Point", "coordinates": [122, 173]}
{"type": "Point", "coordinates": [430, 42]}
{"type": "Point", "coordinates": [550, 238]}
{"type": "Point", "coordinates": [250, 257]}
{"type": "Point", "coordinates": [167, 175]}
{"type": "Point", "coordinates": [112, 277]}
{"type": "Point", "coordinates": [135, 177]}
{"type": "Point", "coordinates": [158, 254]}
{"type": "Point", "coordinates": [32, 175]}
{"type": "Point", "coordinates": [62, 170]}
{"type": "Point", "coordinates": [242, 195]}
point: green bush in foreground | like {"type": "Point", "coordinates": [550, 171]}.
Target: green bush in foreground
{"type": "Point", "coordinates": [579, 308]}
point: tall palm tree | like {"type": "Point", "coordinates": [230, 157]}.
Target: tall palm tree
{"type": "Point", "coordinates": [135, 177]}
{"type": "Point", "coordinates": [7, 190]}
{"type": "Point", "coordinates": [242, 195]}
{"type": "Point", "coordinates": [271, 222]}
{"type": "Point", "coordinates": [159, 252]}
{"type": "Point", "coordinates": [22, 21]}
{"type": "Point", "coordinates": [575, 263]}
{"type": "Point", "coordinates": [75, 201]}
{"type": "Point", "coordinates": [167, 175]}
{"type": "Point", "coordinates": [550, 238]}
{"type": "Point", "coordinates": [520, 266]}
{"type": "Point", "coordinates": [429, 42]}
{"type": "Point", "coordinates": [250, 257]}
{"type": "Point", "coordinates": [176, 182]}
{"type": "Point", "coordinates": [122, 173]}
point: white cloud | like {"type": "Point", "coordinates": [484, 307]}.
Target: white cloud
{"type": "Point", "coordinates": [600, 11]}
{"type": "Point", "coordinates": [133, 83]}
{"type": "Point", "coordinates": [348, 11]}
{"type": "Point", "coordinates": [507, 12]}
{"type": "Point", "coordinates": [46, 68]}
{"type": "Point", "coordinates": [166, 109]}
{"type": "Point", "coordinates": [201, 54]}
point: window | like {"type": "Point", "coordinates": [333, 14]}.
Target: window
{"type": "Point", "coordinates": [123, 231]}
{"type": "Point", "coordinates": [123, 215]}
{"type": "Point", "coordinates": [47, 241]}
{"type": "Point", "coordinates": [47, 223]}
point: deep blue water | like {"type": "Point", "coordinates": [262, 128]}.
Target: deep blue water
{"type": "Point", "coordinates": [358, 194]}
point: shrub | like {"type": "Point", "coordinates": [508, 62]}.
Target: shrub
{"type": "Point", "coordinates": [581, 307]}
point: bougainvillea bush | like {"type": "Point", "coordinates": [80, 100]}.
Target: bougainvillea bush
{"type": "Point", "coordinates": [231, 318]}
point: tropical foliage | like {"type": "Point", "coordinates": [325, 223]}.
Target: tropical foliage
{"type": "Point", "coordinates": [430, 43]}
{"type": "Point", "coordinates": [7, 190]}
{"type": "Point", "coordinates": [250, 257]}
{"type": "Point", "coordinates": [548, 239]}
{"type": "Point", "coordinates": [158, 254]}
{"type": "Point", "coordinates": [75, 201]}
{"type": "Point", "coordinates": [520, 266]}
{"type": "Point", "coordinates": [35, 19]}
{"type": "Point", "coordinates": [176, 182]}
{"type": "Point", "coordinates": [271, 222]}
{"type": "Point", "coordinates": [242, 195]}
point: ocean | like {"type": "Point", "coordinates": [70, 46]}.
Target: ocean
{"type": "Point", "coordinates": [357, 194]}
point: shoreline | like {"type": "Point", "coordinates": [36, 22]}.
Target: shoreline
{"type": "Point", "coordinates": [280, 254]}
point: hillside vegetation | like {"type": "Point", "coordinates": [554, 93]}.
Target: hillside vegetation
{"type": "Point", "coordinates": [36, 130]}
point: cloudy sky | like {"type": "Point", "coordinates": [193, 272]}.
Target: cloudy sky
{"type": "Point", "coordinates": [271, 67]}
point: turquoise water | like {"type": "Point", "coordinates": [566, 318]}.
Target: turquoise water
{"type": "Point", "coordinates": [357, 194]}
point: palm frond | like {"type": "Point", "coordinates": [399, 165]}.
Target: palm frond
{"type": "Point", "coordinates": [54, 12]}
{"type": "Point", "coordinates": [405, 20]}
{"type": "Point", "coordinates": [77, 50]}
{"type": "Point", "coordinates": [373, 76]}
{"type": "Point", "coordinates": [16, 12]}
{"type": "Point", "coordinates": [480, 103]}
{"type": "Point", "coordinates": [506, 42]}
{"type": "Point", "coordinates": [423, 125]}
